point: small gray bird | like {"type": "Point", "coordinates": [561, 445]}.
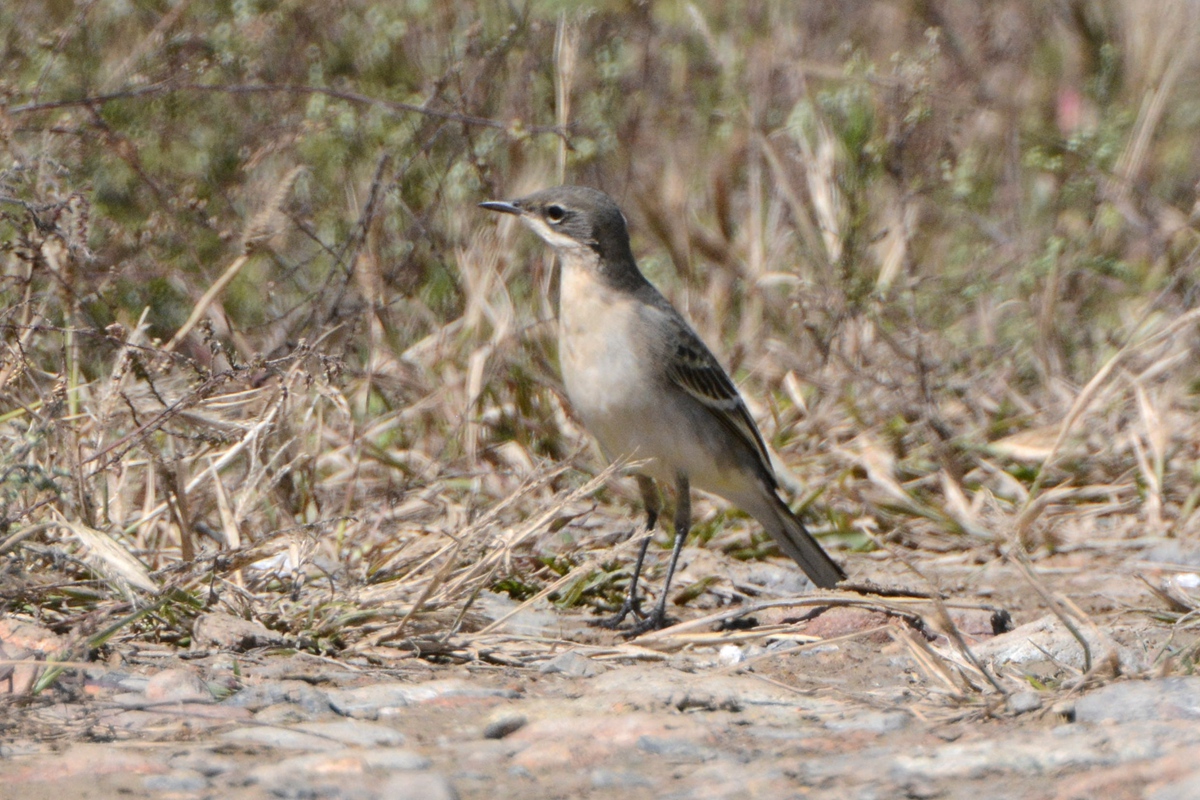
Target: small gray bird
{"type": "Point", "coordinates": [649, 390]}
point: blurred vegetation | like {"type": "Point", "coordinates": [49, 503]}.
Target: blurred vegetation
{"type": "Point", "coordinates": [916, 231]}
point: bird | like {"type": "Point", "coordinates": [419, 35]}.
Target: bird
{"type": "Point", "coordinates": [648, 389]}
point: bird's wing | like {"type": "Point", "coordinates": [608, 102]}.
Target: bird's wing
{"type": "Point", "coordinates": [693, 368]}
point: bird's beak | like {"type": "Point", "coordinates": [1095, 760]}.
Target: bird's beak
{"type": "Point", "coordinates": [503, 208]}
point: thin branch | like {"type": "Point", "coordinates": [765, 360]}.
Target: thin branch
{"type": "Point", "coordinates": [394, 106]}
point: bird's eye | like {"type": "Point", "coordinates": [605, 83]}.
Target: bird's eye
{"type": "Point", "coordinates": [555, 213]}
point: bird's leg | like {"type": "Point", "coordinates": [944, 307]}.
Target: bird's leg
{"type": "Point", "coordinates": [653, 502]}
{"type": "Point", "coordinates": [683, 523]}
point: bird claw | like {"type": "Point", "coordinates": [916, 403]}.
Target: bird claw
{"type": "Point", "coordinates": [658, 619]}
{"type": "Point", "coordinates": [654, 621]}
{"type": "Point", "coordinates": [630, 606]}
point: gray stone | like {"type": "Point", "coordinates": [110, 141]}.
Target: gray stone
{"type": "Point", "coordinates": [171, 685]}
{"type": "Point", "coordinates": [647, 686]}
{"type": "Point", "coordinates": [354, 732]}
{"type": "Point", "coordinates": [1024, 702]}
{"type": "Point", "coordinates": [204, 761]}
{"type": "Point", "coordinates": [133, 683]}
{"type": "Point", "coordinates": [1185, 788]}
{"type": "Point", "coordinates": [280, 738]}
{"type": "Point", "coordinates": [1034, 755]}
{"type": "Point", "coordinates": [345, 775]}
{"type": "Point", "coordinates": [270, 693]}
{"type": "Point", "coordinates": [227, 632]}
{"type": "Point", "coordinates": [366, 702]}
{"type": "Point", "coordinates": [418, 786]}
{"type": "Point", "coordinates": [282, 714]}
{"type": "Point", "coordinates": [178, 780]}
{"type": "Point", "coordinates": [677, 749]}
{"type": "Point", "coordinates": [394, 759]}
{"type": "Point", "coordinates": [877, 722]}
{"type": "Point", "coordinates": [1162, 699]}
{"type": "Point", "coordinates": [618, 779]}
{"type": "Point", "coordinates": [534, 620]}
{"type": "Point", "coordinates": [1047, 641]}
{"type": "Point", "coordinates": [572, 664]}
{"type": "Point", "coordinates": [503, 722]}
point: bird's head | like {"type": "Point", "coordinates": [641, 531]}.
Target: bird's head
{"type": "Point", "coordinates": [572, 218]}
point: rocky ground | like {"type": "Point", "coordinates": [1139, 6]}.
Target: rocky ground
{"type": "Point", "coordinates": [855, 702]}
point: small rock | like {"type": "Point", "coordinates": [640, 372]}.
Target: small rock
{"type": "Point", "coordinates": [177, 685]}
{"type": "Point", "coordinates": [133, 683]}
{"type": "Point", "coordinates": [502, 723]}
{"type": "Point", "coordinates": [533, 620]}
{"type": "Point", "coordinates": [419, 786]}
{"type": "Point", "coordinates": [572, 664]}
{"type": "Point", "coordinates": [1162, 699]}
{"type": "Point", "coordinates": [282, 714]}
{"type": "Point", "coordinates": [674, 748]}
{"type": "Point", "coordinates": [587, 741]}
{"type": "Point", "coordinates": [647, 686]}
{"type": "Point", "coordinates": [730, 654]}
{"type": "Point", "coordinates": [1030, 755]}
{"type": "Point", "coordinates": [259, 696]}
{"type": "Point", "coordinates": [354, 732]}
{"type": "Point", "coordinates": [1182, 789]}
{"type": "Point", "coordinates": [877, 722]}
{"type": "Point", "coordinates": [26, 635]}
{"type": "Point", "coordinates": [1047, 640]}
{"type": "Point", "coordinates": [178, 780]}
{"type": "Point", "coordinates": [394, 759]}
{"type": "Point", "coordinates": [227, 632]}
{"type": "Point", "coordinates": [1187, 580]}
{"type": "Point", "coordinates": [281, 738]}
{"type": "Point", "coordinates": [295, 776]}
{"type": "Point", "coordinates": [368, 702]}
{"type": "Point", "coordinates": [618, 779]}
{"type": "Point", "coordinates": [24, 642]}
{"type": "Point", "coordinates": [1024, 702]}
{"type": "Point", "coordinates": [204, 761]}
{"type": "Point", "coordinates": [845, 620]}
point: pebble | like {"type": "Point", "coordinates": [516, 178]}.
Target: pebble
{"type": "Point", "coordinates": [618, 779]}
{"type": "Point", "coordinates": [503, 722]}
{"type": "Point", "coordinates": [177, 685]}
{"type": "Point", "coordinates": [269, 693]}
{"type": "Point", "coordinates": [300, 771]}
{"type": "Point", "coordinates": [283, 714]}
{"type": "Point", "coordinates": [204, 761]}
{"type": "Point", "coordinates": [368, 702]}
{"type": "Point", "coordinates": [571, 664]}
{"type": "Point", "coordinates": [876, 722]}
{"type": "Point", "coordinates": [280, 738]}
{"type": "Point", "coordinates": [419, 786]}
{"type": "Point", "coordinates": [1024, 702]}
{"type": "Point", "coordinates": [1130, 701]}
{"type": "Point", "coordinates": [1047, 641]}
{"type": "Point", "coordinates": [178, 780]}
{"type": "Point", "coordinates": [227, 632]}
{"type": "Point", "coordinates": [354, 732]}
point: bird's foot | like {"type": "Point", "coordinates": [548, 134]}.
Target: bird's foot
{"type": "Point", "coordinates": [658, 619]}
{"type": "Point", "coordinates": [630, 606]}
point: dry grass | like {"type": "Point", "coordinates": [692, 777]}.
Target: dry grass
{"type": "Point", "coordinates": [951, 261]}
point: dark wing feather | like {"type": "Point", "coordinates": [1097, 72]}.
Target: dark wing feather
{"type": "Point", "coordinates": [695, 370]}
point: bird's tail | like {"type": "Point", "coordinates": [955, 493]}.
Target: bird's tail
{"type": "Point", "coordinates": [794, 540]}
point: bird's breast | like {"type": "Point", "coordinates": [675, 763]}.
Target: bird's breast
{"type": "Point", "coordinates": [603, 352]}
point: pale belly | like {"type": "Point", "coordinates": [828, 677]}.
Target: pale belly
{"type": "Point", "coordinates": [615, 388]}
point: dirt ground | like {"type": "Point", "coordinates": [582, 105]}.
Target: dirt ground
{"type": "Point", "coordinates": [861, 701]}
